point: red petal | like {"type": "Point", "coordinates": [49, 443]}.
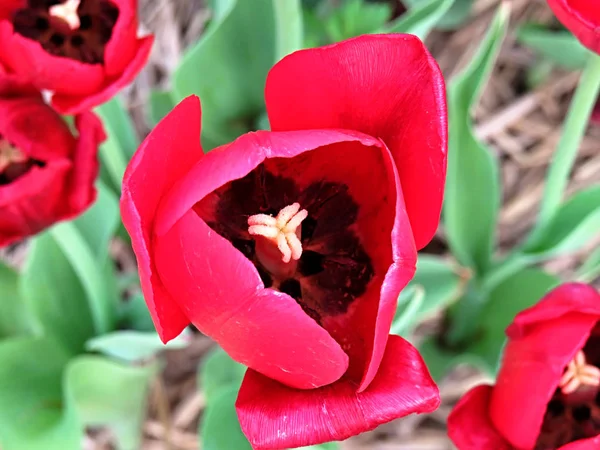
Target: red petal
{"type": "Point", "coordinates": [566, 298]}
{"type": "Point", "coordinates": [583, 444]}
{"type": "Point", "coordinates": [81, 190]}
{"type": "Point", "coordinates": [66, 103]}
{"type": "Point", "coordinates": [26, 58]}
{"type": "Point", "coordinates": [582, 18]}
{"type": "Point", "coordinates": [166, 155]}
{"type": "Point", "coordinates": [123, 43]}
{"type": "Point", "coordinates": [274, 416]}
{"type": "Point", "coordinates": [222, 295]}
{"type": "Point", "coordinates": [531, 367]}
{"type": "Point", "coordinates": [469, 424]}
{"type": "Point", "coordinates": [387, 86]}
{"type": "Point", "coordinates": [363, 330]}
{"type": "Point", "coordinates": [32, 203]}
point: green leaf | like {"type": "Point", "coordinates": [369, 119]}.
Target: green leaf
{"type": "Point", "coordinates": [435, 285]}
{"type": "Point", "coordinates": [161, 103]}
{"type": "Point", "coordinates": [121, 140]}
{"type": "Point", "coordinates": [356, 17]}
{"type": "Point", "coordinates": [441, 361]}
{"type": "Point", "coordinates": [220, 428]}
{"type": "Point", "coordinates": [457, 14]}
{"type": "Point", "coordinates": [472, 196]}
{"type": "Point", "coordinates": [118, 123]}
{"type": "Point", "coordinates": [420, 19]}
{"type": "Point", "coordinates": [513, 295]}
{"type": "Point", "coordinates": [288, 21]}
{"type": "Point", "coordinates": [14, 317]}
{"type": "Point", "coordinates": [99, 223]}
{"type": "Point", "coordinates": [227, 68]}
{"type": "Point", "coordinates": [576, 222]}
{"type": "Point", "coordinates": [219, 372]}
{"type": "Point", "coordinates": [133, 346]}
{"type": "Point", "coordinates": [106, 393]}
{"type": "Point", "coordinates": [134, 314]}
{"type": "Point", "coordinates": [590, 269]}
{"type": "Point", "coordinates": [560, 47]}
{"type": "Point", "coordinates": [52, 292]}
{"type": "Point", "coordinates": [31, 403]}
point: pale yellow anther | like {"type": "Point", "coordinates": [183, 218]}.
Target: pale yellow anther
{"type": "Point", "coordinates": [9, 155]}
{"type": "Point", "coordinates": [579, 374]}
{"type": "Point", "coordinates": [282, 230]}
{"type": "Point", "coordinates": [67, 12]}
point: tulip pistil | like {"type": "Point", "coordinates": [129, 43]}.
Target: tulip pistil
{"type": "Point", "coordinates": [579, 374]}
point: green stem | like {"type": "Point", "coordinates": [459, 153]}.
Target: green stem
{"type": "Point", "coordinates": [573, 131]}
{"type": "Point", "coordinates": [288, 21]}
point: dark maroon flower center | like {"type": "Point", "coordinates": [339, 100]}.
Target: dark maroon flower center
{"type": "Point", "coordinates": [13, 163]}
{"type": "Point", "coordinates": [575, 415]}
{"type": "Point", "coordinates": [75, 29]}
{"type": "Point", "coordinates": [333, 269]}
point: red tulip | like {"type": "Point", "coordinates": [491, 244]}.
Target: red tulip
{"type": "Point", "coordinates": [290, 248]}
{"type": "Point", "coordinates": [84, 52]}
{"type": "Point", "coordinates": [547, 392]}
{"type": "Point", "coordinates": [582, 18]}
{"type": "Point", "coordinates": [46, 174]}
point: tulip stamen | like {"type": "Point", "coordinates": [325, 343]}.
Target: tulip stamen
{"type": "Point", "coordinates": [282, 230]}
{"type": "Point", "coordinates": [9, 154]}
{"type": "Point", "coordinates": [579, 374]}
{"type": "Point", "coordinates": [67, 12]}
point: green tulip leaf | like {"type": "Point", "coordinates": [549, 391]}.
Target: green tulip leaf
{"type": "Point", "coordinates": [227, 68]}
{"type": "Point", "coordinates": [456, 15]}
{"type": "Point", "coordinates": [513, 295]}
{"type": "Point", "coordinates": [560, 47]}
{"type": "Point", "coordinates": [420, 19]}
{"type": "Point", "coordinates": [14, 317]}
{"type": "Point", "coordinates": [133, 346]}
{"type": "Point", "coordinates": [576, 223]}
{"type": "Point", "coordinates": [161, 103]}
{"type": "Point", "coordinates": [472, 198]}
{"type": "Point", "coordinates": [106, 393]}
{"type": "Point", "coordinates": [219, 372]}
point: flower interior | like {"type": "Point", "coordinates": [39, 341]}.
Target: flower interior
{"type": "Point", "coordinates": [331, 268]}
{"type": "Point", "coordinates": [573, 413]}
{"type": "Point", "coordinates": [76, 29]}
{"type": "Point", "coordinates": [13, 162]}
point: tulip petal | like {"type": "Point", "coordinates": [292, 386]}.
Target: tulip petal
{"type": "Point", "coordinates": [165, 156]}
{"type": "Point", "coordinates": [71, 104]}
{"type": "Point", "coordinates": [565, 299]}
{"type": "Point", "coordinates": [469, 424]}
{"type": "Point", "coordinates": [534, 359]}
{"type": "Point", "coordinates": [274, 416]}
{"type": "Point", "coordinates": [583, 444]}
{"type": "Point", "coordinates": [582, 18]}
{"type": "Point", "coordinates": [223, 295]}
{"type": "Point", "coordinates": [387, 86]}
{"type": "Point", "coordinates": [387, 237]}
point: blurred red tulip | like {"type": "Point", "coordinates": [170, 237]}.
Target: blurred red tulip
{"type": "Point", "coordinates": [46, 174]}
{"type": "Point", "coordinates": [547, 392]}
{"type": "Point", "coordinates": [290, 248]}
{"type": "Point", "coordinates": [84, 52]}
{"type": "Point", "coordinates": [582, 18]}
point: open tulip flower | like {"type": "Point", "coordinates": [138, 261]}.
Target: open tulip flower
{"type": "Point", "coordinates": [547, 395]}
{"type": "Point", "coordinates": [46, 173]}
{"type": "Point", "coordinates": [289, 248]}
{"type": "Point", "coordinates": [84, 52]}
{"type": "Point", "coordinates": [582, 18]}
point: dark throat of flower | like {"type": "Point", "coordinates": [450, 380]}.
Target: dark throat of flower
{"type": "Point", "coordinates": [75, 29]}
{"type": "Point", "coordinates": [303, 241]}
{"type": "Point", "coordinates": [573, 413]}
{"type": "Point", "coordinates": [13, 162]}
